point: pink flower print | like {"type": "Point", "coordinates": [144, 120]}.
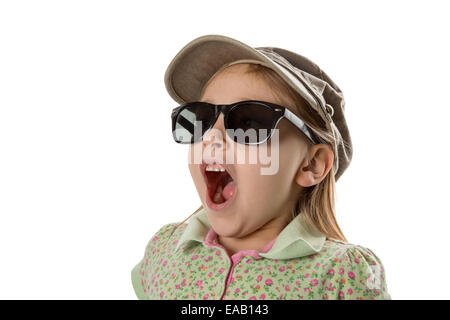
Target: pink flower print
{"type": "Point", "coordinates": [331, 272]}
{"type": "Point", "coordinates": [249, 261]}
{"type": "Point", "coordinates": [199, 283]}
{"type": "Point", "coordinates": [307, 275]}
{"type": "Point", "coordinates": [374, 263]}
{"type": "Point", "coordinates": [165, 262]}
{"type": "Point", "coordinates": [237, 290]}
{"type": "Point", "coordinates": [287, 288]}
{"type": "Point", "coordinates": [297, 283]}
{"type": "Point", "coordinates": [263, 296]}
{"type": "Point", "coordinates": [218, 253]}
{"type": "Point", "coordinates": [206, 296]}
{"type": "Point", "coordinates": [341, 271]}
{"type": "Point", "coordinates": [307, 290]}
{"type": "Point", "coordinates": [221, 270]}
{"type": "Point", "coordinates": [325, 297]}
{"type": "Point", "coordinates": [257, 287]}
{"type": "Point", "coordinates": [330, 287]}
{"type": "Point", "coordinates": [357, 260]}
{"type": "Point", "coordinates": [174, 275]}
{"type": "Point", "coordinates": [351, 275]}
{"type": "Point", "coordinates": [269, 282]}
{"type": "Point", "coordinates": [314, 282]}
{"type": "Point", "coordinates": [259, 278]}
{"type": "Point", "coordinates": [146, 261]}
{"type": "Point", "coordinates": [341, 294]}
{"type": "Point", "coordinates": [209, 258]}
{"type": "Point", "coordinates": [177, 286]}
{"type": "Point", "coordinates": [282, 268]}
{"type": "Point", "coordinates": [210, 274]}
{"type": "Point", "coordinates": [318, 264]}
{"type": "Point", "coordinates": [246, 271]}
{"type": "Point", "coordinates": [195, 256]}
{"type": "Point", "coordinates": [252, 298]}
{"type": "Point", "coordinates": [161, 294]}
{"type": "Point", "coordinates": [350, 291]}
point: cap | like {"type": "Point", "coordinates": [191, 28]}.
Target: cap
{"type": "Point", "coordinates": [200, 59]}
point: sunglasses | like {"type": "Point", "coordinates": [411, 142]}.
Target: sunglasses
{"type": "Point", "coordinates": [192, 120]}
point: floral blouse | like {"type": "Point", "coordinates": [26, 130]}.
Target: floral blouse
{"type": "Point", "coordinates": [188, 263]}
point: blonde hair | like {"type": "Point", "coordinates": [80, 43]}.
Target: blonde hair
{"type": "Point", "coordinates": [316, 203]}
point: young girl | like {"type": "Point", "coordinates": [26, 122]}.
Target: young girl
{"type": "Point", "coordinates": [258, 236]}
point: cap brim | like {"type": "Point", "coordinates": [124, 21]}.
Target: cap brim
{"type": "Point", "coordinates": [201, 58]}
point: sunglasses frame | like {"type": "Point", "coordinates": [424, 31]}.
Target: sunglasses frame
{"type": "Point", "coordinates": [279, 112]}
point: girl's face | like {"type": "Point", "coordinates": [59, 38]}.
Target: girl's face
{"type": "Point", "coordinates": [260, 202]}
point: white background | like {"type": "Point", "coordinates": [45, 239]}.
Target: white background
{"type": "Point", "coordinates": [89, 171]}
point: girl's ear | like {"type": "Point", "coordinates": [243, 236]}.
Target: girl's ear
{"type": "Point", "coordinates": [315, 166]}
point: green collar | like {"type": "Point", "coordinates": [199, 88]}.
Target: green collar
{"type": "Point", "coordinates": [296, 240]}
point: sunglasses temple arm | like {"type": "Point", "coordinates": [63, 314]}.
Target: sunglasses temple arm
{"type": "Point", "coordinates": [288, 114]}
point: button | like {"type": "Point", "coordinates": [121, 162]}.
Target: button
{"type": "Point", "coordinates": [330, 109]}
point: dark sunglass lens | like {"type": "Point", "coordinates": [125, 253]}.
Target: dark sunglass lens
{"type": "Point", "coordinates": [251, 122]}
{"type": "Point", "coordinates": [192, 122]}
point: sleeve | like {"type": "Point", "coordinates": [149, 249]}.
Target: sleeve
{"type": "Point", "coordinates": [138, 273]}
{"type": "Point", "coordinates": [137, 282]}
{"type": "Point", "coordinates": [358, 275]}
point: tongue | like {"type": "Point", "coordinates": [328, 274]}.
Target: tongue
{"type": "Point", "coordinates": [226, 193]}
{"type": "Point", "coordinates": [229, 190]}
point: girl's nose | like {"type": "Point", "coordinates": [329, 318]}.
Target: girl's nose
{"type": "Point", "coordinates": [216, 135]}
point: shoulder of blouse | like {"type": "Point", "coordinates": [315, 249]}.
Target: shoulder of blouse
{"type": "Point", "coordinates": [354, 272]}
{"type": "Point", "coordinates": [158, 240]}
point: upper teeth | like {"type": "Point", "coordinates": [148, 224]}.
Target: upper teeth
{"type": "Point", "coordinates": [215, 168]}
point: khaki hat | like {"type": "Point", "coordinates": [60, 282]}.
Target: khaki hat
{"type": "Point", "coordinates": [203, 57]}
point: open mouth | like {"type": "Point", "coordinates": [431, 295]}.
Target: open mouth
{"type": "Point", "coordinates": [221, 187]}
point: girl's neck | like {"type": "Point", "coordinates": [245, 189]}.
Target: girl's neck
{"type": "Point", "coordinates": [256, 240]}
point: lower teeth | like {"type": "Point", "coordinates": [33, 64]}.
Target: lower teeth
{"type": "Point", "coordinates": [218, 196]}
